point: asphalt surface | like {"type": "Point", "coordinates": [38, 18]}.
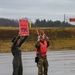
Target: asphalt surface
{"type": "Point", "coordinates": [60, 63]}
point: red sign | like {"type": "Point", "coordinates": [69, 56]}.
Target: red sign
{"type": "Point", "coordinates": [23, 27]}
{"type": "Point", "coordinates": [72, 19]}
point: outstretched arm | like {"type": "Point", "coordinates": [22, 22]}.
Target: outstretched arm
{"type": "Point", "coordinates": [15, 39]}
{"type": "Point", "coordinates": [46, 38]}
{"type": "Point", "coordinates": [37, 32]}
{"type": "Point", "coordinates": [23, 40]}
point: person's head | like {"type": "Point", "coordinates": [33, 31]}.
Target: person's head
{"type": "Point", "coordinates": [18, 42]}
{"type": "Point", "coordinates": [42, 38]}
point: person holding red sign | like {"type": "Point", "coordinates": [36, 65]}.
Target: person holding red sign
{"type": "Point", "coordinates": [16, 52]}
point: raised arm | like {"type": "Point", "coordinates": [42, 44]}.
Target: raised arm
{"type": "Point", "coordinates": [15, 39]}
{"type": "Point", "coordinates": [23, 40]}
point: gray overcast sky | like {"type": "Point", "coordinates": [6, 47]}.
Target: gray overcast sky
{"type": "Point", "coordinates": [37, 9]}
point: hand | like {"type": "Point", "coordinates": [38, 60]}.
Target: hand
{"type": "Point", "coordinates": [47, 38]}
{"type": "Point", "coordinates": [38, 38]}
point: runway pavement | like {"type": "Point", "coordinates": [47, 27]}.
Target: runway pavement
{"type": "Point", "coordinates": [60, 63]}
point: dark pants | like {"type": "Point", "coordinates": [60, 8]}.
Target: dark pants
{"type": "Point", "coordinates": [17, 67]}
{"type": "Point", "coordinates": [42, 66]}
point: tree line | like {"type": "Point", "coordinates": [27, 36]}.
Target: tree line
{"type": "Point", "coordinates": [8, 22]}
{"type": "Point", "coordinates": [37, 23]}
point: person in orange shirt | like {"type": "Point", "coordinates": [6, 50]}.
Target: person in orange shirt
{"type": "Point", "coordinates": [41, 54]}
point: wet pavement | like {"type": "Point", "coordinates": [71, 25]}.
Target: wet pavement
{"type": "Point", "coordinates": [60, 63]}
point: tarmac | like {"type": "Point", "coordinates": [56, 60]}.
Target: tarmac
{"type": "Point", "coordinates": [60, 63]}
